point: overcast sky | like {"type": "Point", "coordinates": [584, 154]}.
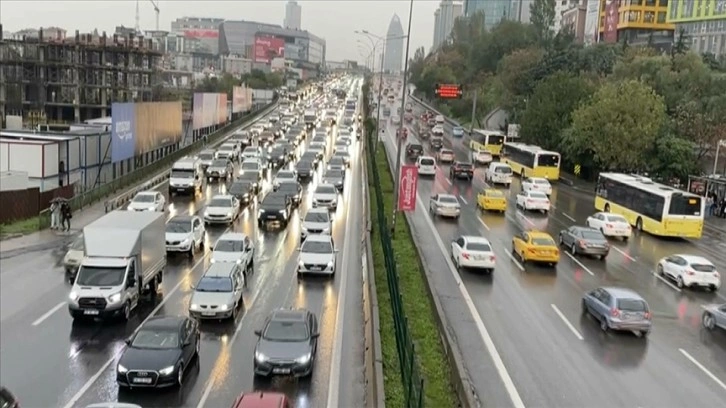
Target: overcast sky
{"type": "Point", "coordinates": [333, 20]}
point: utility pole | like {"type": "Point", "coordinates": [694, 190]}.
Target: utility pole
{"type": "Point", "coordinates": [378, 107]}
{"type": "Point", "coordinates": [473, 114]}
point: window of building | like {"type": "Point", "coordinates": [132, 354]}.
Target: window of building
{"type": "Point", "coordinates": [649, 17]}
{"type": "Point", "coordinates": [664, 3]}
{"type": "Point", "coordinates": [661, 17]}
{"type": "Point", "coordinates": [633, 16]}
{"type": "Point", "coordinates": [650, 3]}
{"type": "Point", "coordinates": [687, 7]}
{"type": "Point", "coordinates": [636, 2]}
{"type": "Point", "coordinates": [699, 4]}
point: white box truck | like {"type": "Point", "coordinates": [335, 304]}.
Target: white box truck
{"type": "Point", "coordinates": [125, 256]}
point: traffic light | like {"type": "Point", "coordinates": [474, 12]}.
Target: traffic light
{"type": "Point", "coordinates": [449, 91]}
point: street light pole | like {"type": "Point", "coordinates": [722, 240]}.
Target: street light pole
{"type": "Point", "coordinates": [397, 179]}
{"type": "Point", "coordinates": [720, 143]}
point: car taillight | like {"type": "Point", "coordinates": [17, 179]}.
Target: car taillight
{"type": "Point", "coordinates": [647, 315]}
{"type": "Point", "coordinates": [716, 275]}
{"type": "Point", "coordinates": [608, 225]}
{"type": "Point", "coordinates": [535, 186]}
{"type": "Point", "coordinates": [582, 244]}
{"type": "Point", "coordinates": [465, 255]}
{"type": "Point", "coordinates": [529, 201]}
{"type": "Point", "coordinates": [690, 272]}
{"type": "Point", "coordinates": [492, 258]}
{"type": "Point", "coordinates": [614, 312]}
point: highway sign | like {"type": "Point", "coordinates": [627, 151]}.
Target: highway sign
{"type": "Point", "coordinates": [407, 188]}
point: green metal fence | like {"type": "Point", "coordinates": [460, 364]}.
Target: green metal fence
{"type": "Point", "coordinates": [411, 378]}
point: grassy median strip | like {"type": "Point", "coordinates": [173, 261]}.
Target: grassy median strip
{"type": "Point", "coordinates": [432, 362]}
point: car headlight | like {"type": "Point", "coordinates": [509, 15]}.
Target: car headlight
{"type": "Point", "coordinates": [115, 298]}
{"type": "Point", "coordinates": [229, 214]}
{"type": "Point", "coordinates": [260, 356]}
{"type": "Point", "coordinates": [166, 370]}
{"type": "Point", "coordinates": [326, 231]}
{"type": "Point", "coordinates": [195, 306]}
{"type": "Point", "coordinates": [331, 264]}
{"type": "Point", "coordinates": [73, 296]}
{"type": "Point", "coordinates": [224, 307]}
{"type": "Point", "coordinates": [206, 213]}
{"type": "Point", "coordinates": [151, 208]}
{"type": "Point", "coordinates": [304, 359]}
{"type": "Point", "coordinates": [301, 264]}
{"type": "Point", "coordinates": [121, 369]}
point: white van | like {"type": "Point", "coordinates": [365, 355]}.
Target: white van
{"type": "Point", "coordinates": [426, 166]}
{"type": "Point", "coordinates": [440, 119]}
{"type": "Point", "coordinates": [498, 173]}
{"type": "Point", "coordinates": [186, 176]}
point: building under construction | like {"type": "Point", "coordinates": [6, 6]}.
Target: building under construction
{"type": "Point", "coordinates": [57, 80]}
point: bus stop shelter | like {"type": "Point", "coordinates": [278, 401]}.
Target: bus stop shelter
{"type": "Point", "coordinates": [702, 185]}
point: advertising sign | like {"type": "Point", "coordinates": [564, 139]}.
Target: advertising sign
{"type": "Point", "coordinates": [201, 33]}
{"type": "Point", "coordinates": [123, 126]}
{"type": "Point", "coordinates": [610, 31]}
{"type": "Point", "coordinates": [448, 91]}
{"type": "Point", "coordinates": [407, 188]}
{"type": "Point", "coordinates": [158, 124]}
{"type": "Point", "coordinates": [238, 97]}
{"type": "Point", "coordinates": [221, 109]}
{"type": "Point", "coordinates": [592, 22]}
{"type": "Point", "coordinates": [198, 113]}
{"type": "Point", "coordinates": [267, 48]}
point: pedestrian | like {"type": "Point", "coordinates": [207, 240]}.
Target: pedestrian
{"type": "Point", "coordinates": [54, 215]}
{"type": "Point", "coordinates": [66, 216]}
{"type": "Point", "coordinates": [204, 140]}
{"type": "Point", "coordinates": [713, 204]}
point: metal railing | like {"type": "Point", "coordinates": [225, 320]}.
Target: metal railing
{"type": "Point", "coordinates": [411, 379]}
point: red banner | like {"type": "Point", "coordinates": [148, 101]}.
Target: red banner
{"type": "Point", "coordinates": [610, 31]}
{"type": "Point", "coordinates": [201, 33]}
{"type": "Point", "coordinates": [268, 48]}
{"type": "Point", "coordinates": [407, 188]}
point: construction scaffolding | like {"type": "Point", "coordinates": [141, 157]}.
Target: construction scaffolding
{"type": "Point", "coordinates": [68, 80]}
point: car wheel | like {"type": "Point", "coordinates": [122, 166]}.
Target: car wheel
{"type": "Point", "coordinates": [126, 312]}
{"type": "Point", "coordinates": [604, 326]}
{"type": "Point", "coordinates": [180, 376]}
{"type": "Point", "coordinates": [197, 347]}
{"type": "Point", "coordinates": [679, 282]}
{"type": "Point", "coordinates": [583, 307]}
{"type": "Point", "coordinates": [639, 224]}
{"type": "Point", "coordinates": [607, 208]}
{"type": "Point", "coordinates": [659, 269]}
{"type": "Point", "coordinates": [190, 253]}
{"type": "Point", "coordinates": [573, 249]}
{"type": "Point", "coordinates": [708, 321]}
{"type": "Point", "coordinates": [561, 241]}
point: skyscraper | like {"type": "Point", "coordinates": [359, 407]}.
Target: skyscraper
{"type": "Point", "coordinates": [393, 59]}
{"type": "Point", "coordinates": [494, 10]}
{"type": "Point", "coordinates": [293, 15]}
{"type": "Point", "coordinates": [444, 18]}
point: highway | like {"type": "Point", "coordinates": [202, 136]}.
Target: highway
{"type": "Point", "coordinates": [523, 338]}
{"type": "Point", "coordinates": [48, 361]}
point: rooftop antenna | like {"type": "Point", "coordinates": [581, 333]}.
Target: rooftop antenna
{"type": "Point", "coordinates": [137, 17]}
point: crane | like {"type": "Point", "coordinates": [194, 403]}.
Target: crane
{"type": "Point", "coordinates": [156, 10]}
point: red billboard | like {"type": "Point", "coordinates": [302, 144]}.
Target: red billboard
{"type": "Point", "coordinates": [267, 48]}
{"type": "Point", "coordinates": [610, 30]}
{"type": "Point", "coordinates": [201, 33]}
{"type": "Point", "coordinates": [407, 188]}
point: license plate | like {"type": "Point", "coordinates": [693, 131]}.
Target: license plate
{"type": "Point", "coordinates": [208, 313]}
{"type": "Point", "coordinates": [316, 268]}
{"type": "Point", "coordinates": [270, 217]}
{"type": "Point", "coordinates": [180, 189]}
{"type": "Point", "coordinates": [90, 312]}
{"type": "Point", "coordinates": [281, 370]}
{"type": "Point", "coordinates": [142, 380]}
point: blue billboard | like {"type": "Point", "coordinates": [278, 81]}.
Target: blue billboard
{"type": "Point", "coordinates": [123, 131]}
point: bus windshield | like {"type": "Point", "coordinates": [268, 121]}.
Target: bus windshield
{"type": "Point", "coordinates": [548, 160]}
{"type": "Point", "coordinates": [496, 140]}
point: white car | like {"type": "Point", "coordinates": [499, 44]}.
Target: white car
{"type": "Point", "coordinates": [184, 234]}
{"type": "Point", "coordinates": [445, 205]}
{"type": "Point", "coordinates": [347, 139]}
{"type": "Point", "coordinates": [326, 196]}
{"type": "Point", "coordinates": [446, 156]}
{"type": "Point", "coordinates": [498, 173]}
{"type": "Point", "coordinates": [533, 201]}
{"type": "Point", "coordinates": [611, 225]}
{"type": "Point", "coordinates": [481, 156]}
{"type": "Point", "coordinates": [426, 166]}
{"type": "Point", "coordinates": [284, 176]}
{"type": "Point", "coordinates": [251, 152]}
{"type": "Point", "coordinates": [317, 255]}
{"type": "Point", "coordinates": [256, 129]}
{"type": "Point", "coordinates": [474, 253]}
{"type": "Point", "coordinates": [690, 271]}
{"type": "Point", "coordinates": [438, 130]}
{"type": "Point", "coordinates": [235, 247]}
{"type": "Point", "coordinates": [274, 118]}
{"type": "Point", "coordinates": [537, 184]}
{"type": "Point", "coordinates": [341, 146]}
{"type": "Point", "coordinates": [395, 120]}
{"type": "Point", "coordinates": [222, 209]}
{"type": "Point", "coordinates": [227, 151]}
{"type": "Point", "coordinates": [251, 165]}
{"type": "Point", "coordinates": [440, 119]}
{"type": "Point", "coordinates": [316, 222]}
{"type": "Point", "coordinates": [266, 124]}
{"type": "Point", "coordinates": [147, 201]}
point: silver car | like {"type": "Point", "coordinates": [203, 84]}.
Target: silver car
{"type": "Point", "coordinates": [714, 316]}
{"type": "Point", "coordinates": [218, 294]}
{"type": "Point", "coordinates": [618, 309]}
{"type": "Point", "coordinates": [585, 240]}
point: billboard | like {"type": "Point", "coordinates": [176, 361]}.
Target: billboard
{"type": "Point", "coordinates": [241, 99]}
{"type": "Point", "coordinates": [201, 33]}
{"type": "Point", "coordinates": [610, 31]}
{"type": "Point", "coordinates": [138, 128]}
{"type": "Point", "coordinates": [407, 187]}
{"type": "Point", "coordinates": [198, 111]}
{"type": "Point", "coordinates": [123, 126]}
{"type": "Point", "coordinates": [209, 109]}
{"type": "Point", "coordinates": [221, 108]}
{"type": "Point", "coordinates": [267, 48]}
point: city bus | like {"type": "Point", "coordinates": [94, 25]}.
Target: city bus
{"type": "Point", "coordinates": [531, 161]}
{"type": "Point", "coordinates": [652, 207]}
{"type": "Point", "coordinates": [491, 140]}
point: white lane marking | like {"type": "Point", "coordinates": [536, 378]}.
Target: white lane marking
{"type": "Point", "coordinates": [667, 282]}
{"type": "Point", "coordinates": [567, 322]}
{"type": "Point", "coordinates": [516, 262]}
{"type": "Point", "coordinates": [78, 395]}
{"type": "Point", "coordinates": [630, 258]}
{"type": "Point", "coordinates": [579, 263]}
{"type": "Point", "coordinates": [448, 181]}
{"type": "Point", "coordinates": [703, 368]}
{"type": "Point", "coordinates": [569, 218]}
{"type": "Point", "coordinates": [464, 200]}
{"type": "Point", "coordinates": [483, 332]}
{"type": "Point", "coordinates": [49, 313]}
{"type": "Point", "coordinates": [483, 223]}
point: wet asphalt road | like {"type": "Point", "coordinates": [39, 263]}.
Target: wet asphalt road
{"type": "Point", "coordinates": [555, 356]}
{"type": "Point", "coordinates": [48, 361]}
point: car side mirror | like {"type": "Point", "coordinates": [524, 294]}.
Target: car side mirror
{"type": "Point", "coordinates": [315, 335]}
{"type": "Point", "coordinates": [192, 287]}
{"type": "Point", "coordinates": [336, 250]}
{"type": "Point", "coordinates": [128, 341]}
{"type": "Point", "coordinates": [258, 333]}
{"type": "Point", "coordinates": [298, 249]}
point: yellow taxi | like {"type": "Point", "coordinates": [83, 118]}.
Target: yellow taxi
{"type": "Point", "coordinates": [491, 200]}
{"type": "Point", "coordinates": [535, 246]}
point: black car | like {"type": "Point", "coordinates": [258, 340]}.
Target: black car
{"type": "Point", "coordinates": [7, 399]}
{"type": "Point", "coordinates": [343, 156]}
{"type": "Point", "coordinates": [413, 151]}
{"type": "Point", "coordinates": [254, 178]}
{"type": "Point", "coordinates": [461, 170]}
{"type": "Point", "coordinates": [436, 142]}
{"type": "Point", "coordinates": [289, 148]}
{"type": "Point", "coordinates": [278, 157]}
{"type": "Point", "coordinates": [275, 207]}
{"type": "Point", "coordinates": [335, 177]}
{"type": "Point", "coordinates": [311, 156]}
{"type": "Point", "coordinates": [159, 352]}
{"type": "Point", "coordinates": [244, 190]}
{"type": "Point", "coordinates": [305, 169]}
{"type": "Point", "coordinates": [293, 189]}
{"type": "Point", "coordinates": [291, 139]}
{"type": "Point", "coordinates": [287, 344]}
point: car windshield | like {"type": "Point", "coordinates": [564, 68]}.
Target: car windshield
{"type": "Point", "coordinates": [239, 188]}
{"type": "Point", "coordinates": [448, 200]}
{"type": "Point", "coordinates": [703, 268]}
{"type": "Point", "coordinates": [275, 199]}
{"type": "Point", "coordinates": [503, 169]}
{"type": "Point", "coordinates": [250, 150]}
{"type": "Point", "coordinates": [537, 195]}
{"type": "Point", "coordinates": [336, 161]}
{"type": "Point", "coordinates": [220, 202]}
{"type": "Point", "coordinates": [446, 152]}
{"type": "Point", "coordinates": [416, 147]}
{"type": "Point", "coordinates": [541, 181]}
{"type": "Point", "coordinates": [226, 148]}
{"type": "Point", "coordinates": [593, 235]}
{"type": "Point", "coordinates": [178, 226]}
{"type": "Point", "coordinates": [616, 218]}
{"type": "Point", "coordinates": [288, 188]}
{"type": "Point", "coordinates": [182, 173]}
{"type": "Point", "coordinates": [206, 156]}
{"type": "Point", "coordinates": [317, 247]}
{"type": "Point", "coordinates": [214, 284]}
{"type": "Point", "coordinates": [229, 245]}
{"type": "Point", "coordinates": [494, 193]}
{"type": "Point", "coordinates": [317, 217]}
{"type": "Point", "coordinates": [478, 246]}
{"type": "Point", "coordinates": [541, 241]}
{"type": "Point", "coordinates": [465, 165]}
{"type": "Point", "coordinates": [100, 276]}
{"type": "Point", "coordinates": [427, 162]}
{"type": "Point", "coordinates": [219, 163]}
{"type": "Point", "coordinates": [151, 339]}
{"type": "Point", "coordinates": [304, 165]}
{"type": "Point", "coordinates": [333, 174]}
{"type": "Point", "coordinates": [250, 166]}
{"type": "Point", "coordinates": [285, 175]}
{"type": "Point", "coordinates": [286, 331]}
{"type": "Point", "coordinates": [326, 190]}
{"type": "Point", "coordinates": [144, 198]}
{"type": "Point", "coordinates": [632, 305]}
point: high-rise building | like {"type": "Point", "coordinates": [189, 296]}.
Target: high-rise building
{"type": "Point", "coordinates": [293, 15]}
{"type": "Point", "coordinates": [703, 24]}
{"type": "Point", "coordinates": [575, 19]}
{"type": "Point", "coordinates": [641, 21]}
{"type": "Point", "coordinates": [393, 60]}
{"type": "Point", "coordinates": [444, 18]}
{"type": "Point", "coordinates": [519, 10]}
{"type": "Point", "coordinates": [494, 10]}
{"type": "Point", "coordinates": [201, 34]}
{"type": "Point", "coordinates": [562, 6]}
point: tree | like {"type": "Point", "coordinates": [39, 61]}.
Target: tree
{"type": "Point", "coordinates": [542, 16]}
{"type": "Point", "coordinates": [702, 123]}
{"type": "Point", "coordinates": [617, 127]}
{"type": "Point", "coordinates": [673, 157]}
{"type": "Point", "coordinates": [515, 73]}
